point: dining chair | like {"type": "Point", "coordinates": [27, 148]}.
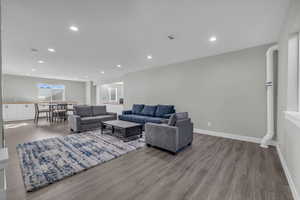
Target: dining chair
{"type": "Point", "coordinates": [59, 112]}
{"type": "Point", "coordinates": [39, 111]}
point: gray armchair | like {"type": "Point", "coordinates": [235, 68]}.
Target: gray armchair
{"type": "Point", "coordinates": [173, 136]}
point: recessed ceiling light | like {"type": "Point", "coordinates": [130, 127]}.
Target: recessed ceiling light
{"type": "Point", "coordinates": [212, 39]}
{"type": "Point", "coordinates": [171, 37]}
{"type": "Point", "coordinates": [74, 28]}
{"type": "Point", "coordinates": [51, 50]}
{"type": "Point", "coordinates": [119, 66]}
{"type": "Point", "coordinates": [33, 69]}
{"type": "Point", "coordinates": [40, 61]}
{"type": "Point", "coordinates": [34, 50]}
{"type": "Point", "coordinates": [149, 57]}
{"type": "Point", "coordinates": [102, 72]}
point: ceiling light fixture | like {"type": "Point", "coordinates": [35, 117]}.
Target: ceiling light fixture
{"type": "Point", "coordinates": [74, 28]}
{"type": "Point", "coordinates": [119, 66]}
{"type": "Point", "coordinates": [212, 39]}
{"type": "Point", "coordinates": [171, 37]}
{"type": "Point", "coordinates": [51, 50]}
{"type": "Point", "coordinates": [149, 57]}
{"type": "Point", "coordinates": [40, 61]}
{"type": "Point", "coordinates": [102, 72]}
{"type": "Point", "coordinates": [34, 50]}
{"type": "Point", "coordinates": [33, 69]}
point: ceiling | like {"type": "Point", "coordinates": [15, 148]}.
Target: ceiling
{"type": "Point", "coordinates": [124, 32]}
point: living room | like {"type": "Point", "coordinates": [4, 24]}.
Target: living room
{"type": "Point", "coordinates": [150, 100]}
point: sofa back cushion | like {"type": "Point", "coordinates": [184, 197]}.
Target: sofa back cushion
{"type": "Point", "coordinates": [137, 108]}
{"type": "Point", "coordinates": [178, 117]}
{"type": "Point", "coordinates": [172, 120]}
{"type": "Point", "coordinates": [149, 110]}
{"type": "Point", "coordinates": [99, 110]}
{"type": "Point", "coordinates": [83, 111]}
{"type": "Point", "coordinates": [163, 110]}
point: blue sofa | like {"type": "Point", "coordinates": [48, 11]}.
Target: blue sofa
{"type": "Point", "coordinates": [142, 114]}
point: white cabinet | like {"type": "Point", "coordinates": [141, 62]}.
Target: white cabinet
{"type": "Point", "coordinates": [9, 112]}
{"type": "Point", "coordinates": [14, 112]}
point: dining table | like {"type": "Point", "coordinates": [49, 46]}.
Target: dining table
{"type": "Point", "coordinates": [59, 109]}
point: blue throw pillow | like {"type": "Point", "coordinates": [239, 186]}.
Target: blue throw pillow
{"type": "Point", "coordinates": [137, 108]}
{"type": "Point", "coordinates": [149, 110]}
{"type": "Point", "coordinates": [163, 110]}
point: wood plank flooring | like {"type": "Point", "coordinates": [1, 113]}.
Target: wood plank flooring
{"type": "Point", "coordinates": [211, 169]}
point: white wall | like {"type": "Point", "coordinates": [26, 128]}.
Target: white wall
{"type": "Point", "coordinates": [227, 90]}
{"type": "Point", "coordinates": [288, 133]}
{"type": "Point", "coordinates": [24, 88]}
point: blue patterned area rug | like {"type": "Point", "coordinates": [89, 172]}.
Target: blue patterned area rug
{"type": "Point", "coordinates": [46, 161]}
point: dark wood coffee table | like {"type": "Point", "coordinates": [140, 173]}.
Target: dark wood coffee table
{"type": "Point", "coordinates": [122, 129]}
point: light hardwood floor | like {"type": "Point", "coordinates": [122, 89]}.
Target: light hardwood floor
{"type": "Point", "coordinates": [211, 169]}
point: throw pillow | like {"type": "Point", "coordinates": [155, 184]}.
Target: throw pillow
{"type": "Point", "coordinates": [163, 110]}
{"type": "Point", "coordinates": [137, 108]}
{"type": "Point", "coordinates": [149, 110]}
{"type": "Point", "coordinates": [99, 110]}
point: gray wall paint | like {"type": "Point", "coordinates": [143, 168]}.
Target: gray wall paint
{"type": "Point", "coordinates": [93, 95]}
{"type": "Point", "coordinates": [288, 134]}
{"type": "Point", "coordinates": [227, 90]}
{"type": "Point", "coordinates": [23, 88]}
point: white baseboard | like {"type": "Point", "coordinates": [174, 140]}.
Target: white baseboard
{"type": "Point", "coordinates": [231, 136]}
{"type": "Point", "coordinates": [288, 174]}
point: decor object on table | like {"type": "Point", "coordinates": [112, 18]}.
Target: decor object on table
{"type": "Point", "coordinates": [89, 117]}
{"type": "Point", "coordinates": [142, 114]}
{"type": "Point", "coordinates": [46, 161]}
{"type": "Point", "coordinates": [173, 136]}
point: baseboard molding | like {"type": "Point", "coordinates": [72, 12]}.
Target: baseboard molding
{"type": "Point", "coordinates": [288, 174]}
{"type": "Point", "coordinates": [231, 136]}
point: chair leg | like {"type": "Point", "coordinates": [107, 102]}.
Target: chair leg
{"type": "Point", "coordinates": [37, 118]}
{"type": "Point", "coordinates": [34, 117]}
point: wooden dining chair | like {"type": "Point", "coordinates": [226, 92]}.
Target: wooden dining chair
{"type": "Point", "coordinates": [59, 112]}
{"type": "Point", "coordinates": [39, 111]}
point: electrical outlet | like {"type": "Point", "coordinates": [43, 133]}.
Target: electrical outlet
{"type": "Point", "coordinates": [208, 124]}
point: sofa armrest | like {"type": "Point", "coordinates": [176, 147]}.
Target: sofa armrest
{"type": "Point", "coordinates": [185, 132]}
{"type": "Point", "coordinates": [126, 112]}
{"type": "Point", "coordinates": [74, 122]}
{"type": "Point", "coordinates": [112, 113]}
{"type": "Point", "coordinates": [167, 116]}
{"type": "Point", "coordinates": [162, 135]}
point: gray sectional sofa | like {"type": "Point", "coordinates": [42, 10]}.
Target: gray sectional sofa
{"type": "Point", "coordinates": [173, 136]}
{"type": "Point", "coordinates": [89, 118]}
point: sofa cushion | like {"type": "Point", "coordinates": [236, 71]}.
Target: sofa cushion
{"type": "Point", "coordinates": [133, 118]}
{"type": "Point", "coordinates": [149, 110]}
{"type": "Point", "coordinates": [163, 110]}
{"type": "Point", "coordinates": [156, 120]}
{"type": "Point", "coordinates": [83, 111]}
{"type": "Point", "coordinates": [182, 115]}
{"type": "Point", "coordinates": [137, 108]}
{"type": "Point", "coordinates": [96, 119]}
{"type": "Point", "coordinates": [172, 120]}
{"type": "Point", "coordinates": [99, 110]}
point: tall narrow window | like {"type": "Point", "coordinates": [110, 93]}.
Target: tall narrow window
{"type": "Point", "coordinates": [112, 93]}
